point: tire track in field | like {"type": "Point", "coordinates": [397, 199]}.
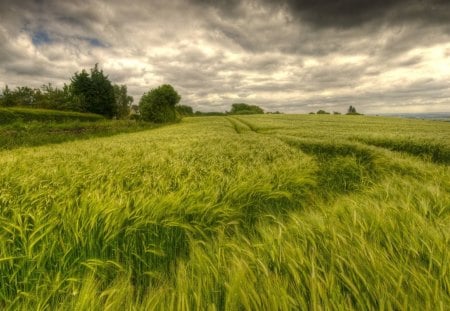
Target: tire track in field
{"type": "Point", "coordinates": [425, 151]}
{"type": "Point", "coordinates": [240, 126]}
{"type": "Point", "coordinates": [247, 124]}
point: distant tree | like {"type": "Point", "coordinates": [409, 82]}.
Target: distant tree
{"type": "Point", "coordinates": [50, 97]}
{"type": "Point", "coordinates": [184, 110]}
{"type": "Point", "coordinates": [322, 112]}
{"type": "Point", "coordinates": [134, 109]}
{"type": "Point", "coordinates": [336, 112]}
{"type": "Point", "coordinates": [122, 100]}
{"type": "Point", "coordinates": [352, 111]}
{"type": "Point", "coordinates": [209, 113]}
{"type": "Point", "coordinates": [47, 97]}
{"type": "Point", "coordinates": [23, 96]}
{"type": "Point", "coordinates": [158, 105]}
{"type": "Point", "coordinates": [7, 98]}
{"type": "Point", "coordinates": [312, 112]}
{"type": "Point", "coordinates": [94, 92]}
{"type": "Point", "coordinates": [42, 99]}
{"type": "Point", "coordinates": [241, 108]}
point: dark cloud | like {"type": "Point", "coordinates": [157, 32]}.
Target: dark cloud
{"type": "Point", "coordinates": [347, 13]}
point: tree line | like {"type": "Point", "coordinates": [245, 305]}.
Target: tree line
{"type": "Point", "coordinates": [236, 108]}
{"type": "Point", "coordinates": [87, 92]}
{"type": "Point", "coordinates": [94, 92]}
{"type": "Point", "coordinates": [350, 111]}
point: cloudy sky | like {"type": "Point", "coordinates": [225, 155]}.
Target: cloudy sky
{"type": "Point", "coordinates": [287, 55]}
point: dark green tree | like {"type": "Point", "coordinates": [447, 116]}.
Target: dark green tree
{"type": "Point", "coordinates": [122, 100]}
{"type": "Point", "coordinates": [322, 112]}
{"type": "Point", "coordinates": [158, 105]}
{"type": "Point", "coordinates": [81, 88]}
{"type": "Point", "coordinates": [94, 92]}
{"type": "Point", "coordinates": [7, 98]}
{"type": "Point", "coordinates": [351, 110]}
{"type": "Point", "coordinates": [241, 108]}
{"type": "Point", "coordinates": [103, 101]}
{"type": "Point", "coordinates": [68, 100]}
{"type": "Point", "coordinates": [184, 110]}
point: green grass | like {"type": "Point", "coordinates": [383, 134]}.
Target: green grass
{"type": "Point", "coordinates": [271, 212]}
{"type": "Point", "coordinates": [12, 115]}
{"type": "Point", "coordinates": [36, 133]}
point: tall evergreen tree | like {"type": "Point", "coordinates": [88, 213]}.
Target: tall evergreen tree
{"type": "Point", "coordinates": [81, 88]}
{"type": "Point", "coordinates": [351, 110]}
{"type": "Point", "coordinates": [94, 92]}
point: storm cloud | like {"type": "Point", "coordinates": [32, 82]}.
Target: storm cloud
{"type": "Point", "coordinates": [287, 55]}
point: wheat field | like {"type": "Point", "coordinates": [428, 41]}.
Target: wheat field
{"type": "Point", "coordinates": [271, 212]}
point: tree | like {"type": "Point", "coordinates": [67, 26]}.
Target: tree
{"type": "Point", "coordinates": [94, 92]}
{"type": "Point", "coordinates": [184, 110]}
{"type": "Point", "coordinates": [351, 110]}
{"type": "Point", "coordinates": [6, 99]}
{"type": "Point", "coordinates": [122, 100]}
{"type": "Point", "coordinates": [209, 113]}
{"type": "Point", "coordinates": [80, 87]}
{"type": "Point", "coordinates": [49, 97]}
{"type": "Point", "coordinates": [322, 112]}
{"type": "Point", "coordinates": [241, 108]}
{"type": "Point", "coordinates": [68, 100]}
{"type": "Point", "coordinates": [21, 96]}
{"type": "Point", "coordinates": [24, 96]}
{"type": "Point", "coordinates": [103, 102]}
{"type": "Point", "coordinates": [158, 105]}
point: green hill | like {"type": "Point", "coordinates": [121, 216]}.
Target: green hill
{"type": "Point", "coordinates": [261, 212]}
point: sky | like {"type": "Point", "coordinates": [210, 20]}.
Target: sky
{"type": "Point", "coordinates": [293, 56]}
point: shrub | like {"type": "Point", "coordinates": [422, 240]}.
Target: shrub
{"type": "Point", "coordinates": [158, 105]}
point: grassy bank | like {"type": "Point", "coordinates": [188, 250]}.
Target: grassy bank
{"type": "Point", "coordinates": [28, 134]}
{"type": "Point", "coordinates": [12, 115]}
{"type": "Point", "coordinates": [276, 212]}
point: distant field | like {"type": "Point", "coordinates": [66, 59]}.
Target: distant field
{"type": "Point", "coordinates": [268, 212]}
{"type": "Point", "coordinates": [441, 116]}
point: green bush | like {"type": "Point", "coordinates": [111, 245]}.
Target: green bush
{"type": "Point", "coordinates": [158, 105]}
